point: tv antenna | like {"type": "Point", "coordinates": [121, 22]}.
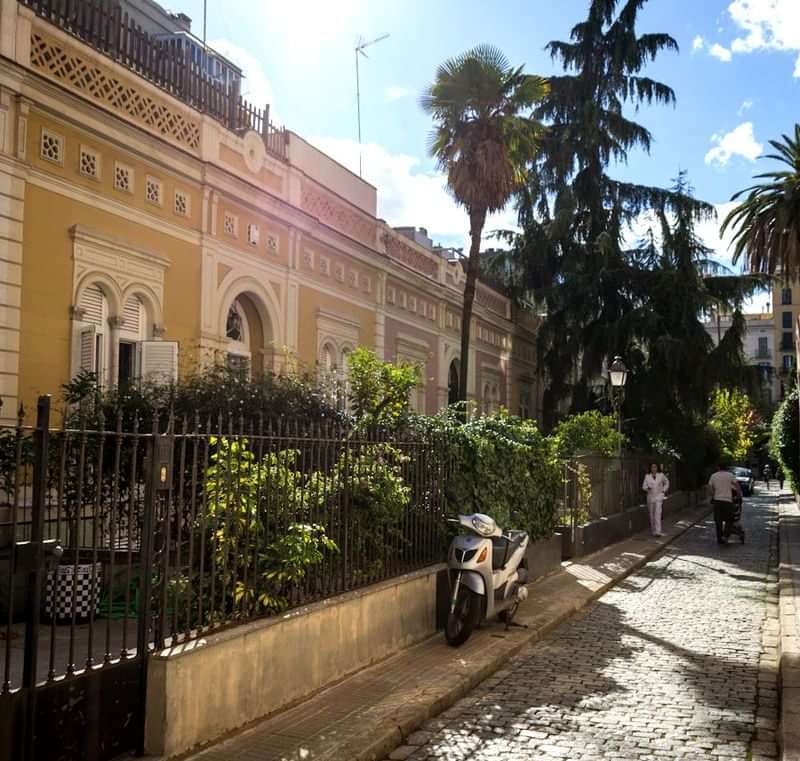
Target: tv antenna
{"type": "Point", "coordinates": [360, 45]}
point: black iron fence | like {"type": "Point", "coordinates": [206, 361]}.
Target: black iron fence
{"type": "Point", "coordinates": [175, 527]}
{"type": "Point", "coordinates": [171, 64]}
{"type": "Point", "coordinates": [596, 487]}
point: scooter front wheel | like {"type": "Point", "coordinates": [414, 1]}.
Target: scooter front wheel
{"type": "Point", "coordinates": [465, 617]}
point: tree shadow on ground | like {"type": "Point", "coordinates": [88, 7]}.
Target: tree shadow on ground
{"type": "Point", "coordinates": [619, 661]}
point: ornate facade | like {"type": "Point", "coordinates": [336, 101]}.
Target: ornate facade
{"type": "Point", "coordinates": [143, 236]}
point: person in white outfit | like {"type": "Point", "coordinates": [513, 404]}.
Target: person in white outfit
{"type": "Point", "coordinates": [656, 486]}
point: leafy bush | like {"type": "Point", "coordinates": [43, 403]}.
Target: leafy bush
{"type": "Point", "coordinates": [785, 439]}
{"type": "Point", "coordinates": [379, 391]}
{"type": "Point", "coordinates": [503, 466]}
{"type": "Point", "coordinates": [734, 420]}
{"type": "Point", "coordinates": [587, 430]}
{"type": "Point", "coordinates": [215, 395]}
{"type": "Point", "coordinates": [250, 501]}
{"type": "Point", "coordinates": [378, 498]}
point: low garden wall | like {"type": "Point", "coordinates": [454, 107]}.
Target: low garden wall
{"type": "Point", "coordinates": [208, 687]}
{"type": "Point", "coordinates": [600, 533]}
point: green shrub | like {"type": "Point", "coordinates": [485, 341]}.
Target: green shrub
{"type": "Point", "coordinates": [379, 391]}
{"type": "Point", "coordinates": [502, 466]}
{"type": "Point", "coordinates": [785, 439]}
{"type": "Point", "coordinates": [587, 431]}
{"type": "Point", "coordinates": [251, 501]}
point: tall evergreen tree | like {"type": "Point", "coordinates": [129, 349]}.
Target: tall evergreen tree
{"type": "Point", "coordinates": [574, 214]}
{"type": "Point", "coordinates": [675, 365]}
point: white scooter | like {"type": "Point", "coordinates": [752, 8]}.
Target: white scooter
{"type": "Point", "coordinates": [488, 573]}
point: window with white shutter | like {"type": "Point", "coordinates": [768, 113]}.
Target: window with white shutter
{"type": "Point", "coordinates": [87, 349]}
{"type": "Point", "coordinates": [158, 361]}
{"type": "Point", "coordinates": [132, 316]}
{"type": "Point", "coordinates": [93, 305]}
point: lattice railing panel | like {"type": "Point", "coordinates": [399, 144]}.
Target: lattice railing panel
{"type": "Point", "coordinates": [66, 66]}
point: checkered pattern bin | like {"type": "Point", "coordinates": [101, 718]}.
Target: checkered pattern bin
{"type": "Point", "coordinates": [58, 593]}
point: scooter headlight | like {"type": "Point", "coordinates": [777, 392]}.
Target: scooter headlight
{"type": "Point", "coordinates": [483, 525]}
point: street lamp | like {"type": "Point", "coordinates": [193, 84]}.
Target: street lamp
{"type": "Point", "coordinates": [618, 375]}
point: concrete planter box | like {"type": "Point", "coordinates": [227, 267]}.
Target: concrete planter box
{"type": "Point", "coordinates": [544, 557]}
{"type": "Point", "coordinates": [208, 687]}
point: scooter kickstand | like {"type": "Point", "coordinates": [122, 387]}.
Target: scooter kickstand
{"type": "Point", "coordinates": [516, 625]}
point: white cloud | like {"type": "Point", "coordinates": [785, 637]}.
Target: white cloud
{"type": "Point", "coordinates": [408, 195]}
{"type": "Point", "coordinates": [256, 88]}
{"type": "Point", "coordinates": [746, 106]}
{"type": "Point", "coordinates": [396, 92]}
{"type": "Point", "coordinates": [718, 51]}
{"type": "Point", "coordinates": [767, 25]}
{"type": "Point", "coordinates": [740, 141]}
{"type": "Point", "coordinates": [698, 43]}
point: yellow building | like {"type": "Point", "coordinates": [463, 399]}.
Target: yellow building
{"type": "Point", "coordinates": [786, 308]}
{"type": "Point", "coordinates": [151, 223]}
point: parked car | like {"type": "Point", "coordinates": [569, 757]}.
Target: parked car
{"type": "Point", "coordinates": [745, 478]}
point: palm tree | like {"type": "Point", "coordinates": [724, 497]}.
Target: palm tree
{"type": "Point", "coordinates": [484, 142]}
{"type": "Point", "coordinates": [766, 224]}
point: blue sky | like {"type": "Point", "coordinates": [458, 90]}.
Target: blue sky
{"type": "Point", "coordinates": [737, 80]}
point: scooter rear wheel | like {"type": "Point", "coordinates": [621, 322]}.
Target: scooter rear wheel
{"type": "Point", "coordinates": [464, 618]}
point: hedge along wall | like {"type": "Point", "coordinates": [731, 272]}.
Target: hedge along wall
{"type": "Point", "coordinates": [506, 468]}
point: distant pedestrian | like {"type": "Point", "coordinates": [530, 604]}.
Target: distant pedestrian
{"type": "Point", "coordinates": [723, 485]}
{"type": "Point", "coordinates": [656, 486]}
{"type": "Point", "coordinates": [767, 472]}
{"type": "Point", "coordinates": [780, 477]}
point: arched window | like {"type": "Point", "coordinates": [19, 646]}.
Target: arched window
{"type": "Point", "coordinates": [452, 383]}
{"type": "Point", "coordinates": [133, 329]}
{"type": "Point", "coordinates": [238, 334]}
{"type": "Point", "coordinates": [327, 358]}
{"type": "Point", "coordinates": [234, 328]}
{"type": "Point", "coordinates": [94, 341]}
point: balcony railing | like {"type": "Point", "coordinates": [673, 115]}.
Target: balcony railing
{"type": "Point", "coordinates": [165, 63]}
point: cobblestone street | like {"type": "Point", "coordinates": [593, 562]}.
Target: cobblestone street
{"type": "Point", "coordinates": [674, 663]}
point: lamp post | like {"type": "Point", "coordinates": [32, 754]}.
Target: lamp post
{"type": "Point", "coordinates": [617, 376]}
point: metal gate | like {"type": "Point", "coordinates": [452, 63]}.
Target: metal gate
{"type": "Point", "coordinates": [76, 545]}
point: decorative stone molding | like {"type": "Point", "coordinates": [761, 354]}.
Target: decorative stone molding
{"type": "Point", "coordinates": [337, 331]}
{"type": "Point", "coordinates": [492, 300]}
{"type": "Point", "coordinates": [408, 255]}
{"type": "Point", "coordinates": [254, 151]}
{"type": "Point", "coordinates": [334, 213]}
{"type": "Point", "coordinates": [123, 268]}
{"type": "Point", "coordinates": [72, 69]}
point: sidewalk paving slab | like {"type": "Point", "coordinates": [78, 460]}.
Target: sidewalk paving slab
{"type": "Point", "coordinates": [368, 715]}
{"type": "Point", "coordinates": [789, 616]}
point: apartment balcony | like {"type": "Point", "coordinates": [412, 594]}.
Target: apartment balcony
{"type": "Point", "coordinates": [164, 63]}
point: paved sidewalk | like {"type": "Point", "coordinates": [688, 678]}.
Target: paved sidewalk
{"type": "Point", "coordinates": [789, 580]}
{"type": "Point", "coordinates": [369, 714]}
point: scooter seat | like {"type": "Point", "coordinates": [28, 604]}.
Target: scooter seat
{"type": "Point", "coordinates": [503, 547]}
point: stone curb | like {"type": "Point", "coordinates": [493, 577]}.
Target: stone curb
{"type": "Point", "coordinates": [375, 744]}
{"type": "Point", "coordinates": [789, 640]}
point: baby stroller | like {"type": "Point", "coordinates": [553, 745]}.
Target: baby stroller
{"type": "Point", "coordinates": [735, 524]}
